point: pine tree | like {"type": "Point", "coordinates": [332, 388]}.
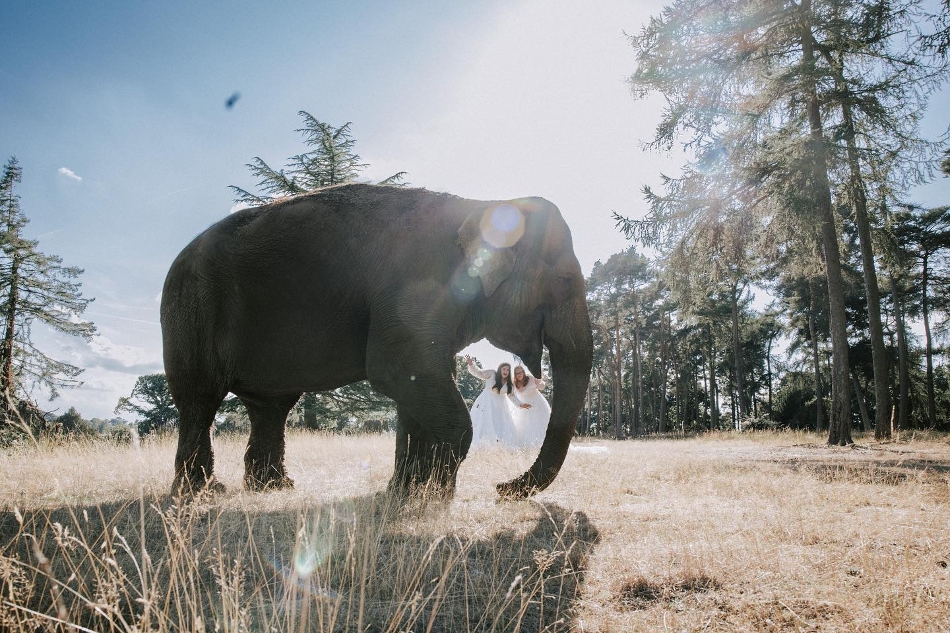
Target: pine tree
{"type": "Point", "coordinates": [331, 161]}
{"type": "Point", "coordinates": [34, 287]}
{"type": "Point", "coordinates": [741, 82]}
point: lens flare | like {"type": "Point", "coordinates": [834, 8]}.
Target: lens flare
{"type": "Point", "coordinates": [464, 283]}
{"type": "Point", "coordinates": [311, 551]}
{"type": "Point", "coordinates": [503, 226]}
{"type": "Point", "coordinates": [315, 539]}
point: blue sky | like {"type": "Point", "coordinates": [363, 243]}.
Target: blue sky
{"type": "Point", "coordinates": [116, 113]}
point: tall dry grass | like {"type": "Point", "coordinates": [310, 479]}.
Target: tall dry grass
{"type": "Point", "coordinates": [769, 532]}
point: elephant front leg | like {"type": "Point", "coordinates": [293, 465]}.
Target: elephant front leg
{"type": "Point", "coordinates": [401, 482]}
{"type": "Point", "coordinates": [411, 366]}
{"type": "Point", "coordinates": [428, 452]}
{"type": "Point", "coordinates": [264, 456]}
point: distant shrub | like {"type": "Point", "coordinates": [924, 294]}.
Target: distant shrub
{"type": "Point", "coordinates": [119, 434]}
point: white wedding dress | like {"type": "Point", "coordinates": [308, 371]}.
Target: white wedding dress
{"type": "Point", "coordinates": [532, 424]}
{"type": "Point", "coordinates": [492, 423]}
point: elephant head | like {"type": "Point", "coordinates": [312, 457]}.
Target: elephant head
{"type": "Point", "coordinates": [534, 297]}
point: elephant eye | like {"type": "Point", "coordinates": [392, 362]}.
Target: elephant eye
{"type": "Point", "coordinates": [562, 287]}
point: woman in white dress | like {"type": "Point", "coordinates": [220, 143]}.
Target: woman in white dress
{"type": "Point", "coordinates": [491, 415]}
{"type": "Point", "coordinates": [532, 423]}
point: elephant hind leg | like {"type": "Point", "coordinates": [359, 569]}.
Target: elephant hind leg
{"type": "Point", "coordinates": [264, 457]}
{"type": "Point", "coordinates": [194, 458]}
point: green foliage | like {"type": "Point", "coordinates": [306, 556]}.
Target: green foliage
{"type": "Point", "coordinates": [629, 305]}
{"type": "Point", "coordinates": [937, 40]}
{"type": "Point", "coordinates": [152, 401]}
{"type": "Point", "coordinates": [331, 160]}
{"type": "Point", "coordinates": [35, 288]}
{"type": "Point", "coordinates": [469, 386]}
{"type": "Point", "coordinates": [794, 405]}
{"type": "Point", "coordinates": [343, 409]}
{"type": "Point", "coordinates": [72, 423]}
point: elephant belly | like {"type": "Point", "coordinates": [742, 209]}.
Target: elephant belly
{"type": "Point", "coordinates": [305, 353]}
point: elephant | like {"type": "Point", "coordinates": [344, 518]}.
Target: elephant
{"type": "Point", "coordinates": [385, 283]}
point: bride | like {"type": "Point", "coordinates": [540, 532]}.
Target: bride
{"type": "Point", "coordinates": [491, 416]}
{"type": "Point", "coordinates": [531, 423]}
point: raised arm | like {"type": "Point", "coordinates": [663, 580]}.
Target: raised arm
{"type": "Point", "coordinates": [478, 372]}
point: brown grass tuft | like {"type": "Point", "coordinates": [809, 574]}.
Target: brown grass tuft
{"type": "Point", "coordinates": [641, 593]}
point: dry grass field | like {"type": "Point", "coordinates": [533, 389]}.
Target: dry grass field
{"type": "Point", "coordinates": [755, 532]}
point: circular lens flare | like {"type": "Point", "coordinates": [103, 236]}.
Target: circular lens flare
{"type": "Point", "coordinates": [502, 226]}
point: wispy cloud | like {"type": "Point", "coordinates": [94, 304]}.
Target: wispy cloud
{"type": "Point", "coordinates": [69, 173]}
{"type": "Point", "coordinates": [124, 359]}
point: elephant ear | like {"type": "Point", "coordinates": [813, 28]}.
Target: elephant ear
{"type": "Point", "coordinates": [487, 238]}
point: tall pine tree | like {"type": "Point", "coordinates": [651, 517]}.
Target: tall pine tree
{"type": "Point", "coordinates": [331, 160]}
{"type": "Point", "coordinates": [34, 287]}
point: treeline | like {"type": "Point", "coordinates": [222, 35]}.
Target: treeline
{"type": "Point", "coordinates": [354, 408]}
{"type": "Point", "coordinates": [801, 126]}
{"type": "Point", "coordinates": [728, 356]}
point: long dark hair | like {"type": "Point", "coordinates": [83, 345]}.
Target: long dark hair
{"type": "Point", "coordinates": [499, 381]}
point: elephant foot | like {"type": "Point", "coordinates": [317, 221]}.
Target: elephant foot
{"type": "Point", "coordinates": [427, 491]}
{"type": "Point", "coordinates": [398, 488]}
{"type": "Point", "coordinates": [194, 486]}
{"type": "Point", "coordinates": [515, 489]}
{"type": "Point", "coordinates": [257, 482]}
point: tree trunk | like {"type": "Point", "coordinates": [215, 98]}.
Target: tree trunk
{"type": "Point", "coordinates": [590, 388]}
{"type": "Point", "coordinates": [925, 310]}
{"type": "Point", "coordinates": [816, 361]}
{"type": "Point", "coordinates": [637, 394]}
{"type": "Point", "coordinates": [663, 373]}
{"type": "Point", "coordinates": [600, 403]}
{"type": "Point", "coordinates": [678, 393]}
{"type": "Point", "coordinates": [7, 385]}
{"type": "Point", "coordinates": [768, 361]}
{"type": "Point", "coordinates": [862, 405]}
{"type": "Point", "coordinates": [618, 383]}
{"type": "Point", "coordinates": [713, 388]}
{"type": "Point", "coordinates": [903, 362]}
{"type": "Point", "coordinates": [882, 392]}
{"type": "Point", "coordinates": [737, 355]}
{"type": "Point", "coordinates": [839, 427]}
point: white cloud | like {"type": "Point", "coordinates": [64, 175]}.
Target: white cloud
{"type": "Point", "coordinates": [110, 367]}
{"type": "Point", "coordinates": [69, 173]}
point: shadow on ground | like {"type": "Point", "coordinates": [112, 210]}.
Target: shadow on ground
{"type": "Point", "coordinates": [354, 564]}
{"type": "Point", "coordinates": [879, 464]}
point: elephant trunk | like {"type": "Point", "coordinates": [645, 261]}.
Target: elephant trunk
{"type": "Point", "coordinates": [571, 361]}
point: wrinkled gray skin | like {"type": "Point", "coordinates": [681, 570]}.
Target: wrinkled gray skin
{"type": "Point", "coordinates": [369, 282]}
